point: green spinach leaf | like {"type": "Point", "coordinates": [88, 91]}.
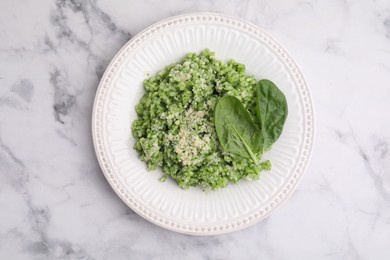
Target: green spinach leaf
{"type": "Point", "coordinates": [271, 111]}
{"type": "Point", "coordinates": [236, 131]}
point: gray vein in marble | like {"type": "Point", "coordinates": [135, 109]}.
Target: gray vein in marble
{"type": "Point", "coordinates": [35, 48]}
{"type": "Point", "coordinates": [63, 100]}
{"type": "Point", "coordinates": [11, 102]}
{"type": "Point", "coordinates": [24, 89]}
{"type": "Point", "coordinates": [59, 20]}
{"type": "Point", "coordinates": [332, 47]}
{"type": "Point", "coordinates": [353, 252]}
{"type": "Point", "coordinates": [49, 43]}
{"type": "Point", "coordinates": [375, 176]}
{"type": "Point", "coordinates": [99, 70]}
{"type": "Point", "coordinates": [381, 148]}
{"type": "Point", "coordinates": [374, 215]}
{"type": "Point", "coordinates": [386, 23]}
{"type": "Point", "coordinates": [380, 186]}
{"type": "Point", "coordinates": [266, 247]}
{"type": "Point", "coordinates": [41, 244]}
{"type": "Point", "coordinates": [66, 137]}
{"type": "Point", "coordinates": [11, 155]}
{"type": "Point", "coordinates": [38, 218]}
{"type": "Point", "coordinates": [88, 9]}
{"type": "Point", "coordinates": [13, 169]}
{"type": "Point", "coordinates": [326, 186]}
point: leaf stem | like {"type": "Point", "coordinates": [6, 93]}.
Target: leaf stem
{"type": "Point", "coordinates": [251, 154]}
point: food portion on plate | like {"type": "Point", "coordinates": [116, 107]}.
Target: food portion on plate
{"type": "Point", "coordinates": [206, 123]}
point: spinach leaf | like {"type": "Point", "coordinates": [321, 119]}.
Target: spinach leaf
{"type": "Point", "coordinates": [236, 131]}
{"type": "Point", "coordinates": [271, 111]}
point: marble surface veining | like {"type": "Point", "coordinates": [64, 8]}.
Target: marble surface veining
{"type": "Point", "coordinates": [54, 200]}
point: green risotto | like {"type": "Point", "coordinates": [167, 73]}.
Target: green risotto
{"type": "Point", "coordinates": [175, 129]}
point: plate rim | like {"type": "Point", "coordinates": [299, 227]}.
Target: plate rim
{"type": "Point", "coordinates": [106, 79]}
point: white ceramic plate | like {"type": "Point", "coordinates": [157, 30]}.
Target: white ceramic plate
{"type": "Point", "coordinates": [164, 203]}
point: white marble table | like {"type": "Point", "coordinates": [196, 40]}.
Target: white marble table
{"type": "Point", "coordinates": [54, 200]}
